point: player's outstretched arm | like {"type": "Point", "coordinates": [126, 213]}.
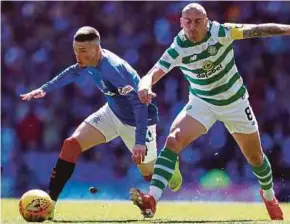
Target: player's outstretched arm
{"type": "Point", "coordinates": [66, 77]}
{"type": "Point", "coordinates": [244, 31]}
{"type": "Point", "coordinates": [266, 30]}
{"type": "Point", "coordinates": [145, 85]}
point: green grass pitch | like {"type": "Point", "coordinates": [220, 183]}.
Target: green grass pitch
{"type": "Point", "coordinates": [167, 212]}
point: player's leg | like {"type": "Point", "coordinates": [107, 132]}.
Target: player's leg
{"type": "Point", "coordinates": [175, 181]}
{"type": "Point", "coordinates": [251, 147]}
{"type": "Point", "coordinates": [95, 130]}
{"type": "Point", "coordinates": [84, 137]}
{"type": "Point", "coordinates": [127, 134]}
{"type": "Point", "coordinates": [184, 130]}
{"type": "Point", "coordinates": [147, 166]}
{"type": "Point", "coordinates": [146, 169]}
{"type": "Point", "coordinates": [242, 124]}
{"type": "Point", "coordinates": [192, 122]}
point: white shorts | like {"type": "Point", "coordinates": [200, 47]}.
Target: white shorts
{"type": "Point", "coordinates": [238, 117]}
{"type": "Point", "coordinates": [111, 127]}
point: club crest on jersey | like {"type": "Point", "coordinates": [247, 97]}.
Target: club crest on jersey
{"type": "Point", "coordinates": [125, 90]}
{"type": "Point", "coordinates": [212, 50]}
{"type": "Point", "coordinates": [98, 118]}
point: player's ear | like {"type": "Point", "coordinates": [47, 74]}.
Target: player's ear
{"type": "Point", "coordinates": [181, 22]}
{"type": "Point", "coordinates": [97, 48]}
{"type": "Point", "coordinates": [206, 20]}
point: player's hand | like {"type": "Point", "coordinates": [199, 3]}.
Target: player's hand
{"type": "Point", "coordinates": [138, 153]}
{"type": "Point", "coordinates": [146, 95]}
{"type": "Point", "coordinates": [34, 94]}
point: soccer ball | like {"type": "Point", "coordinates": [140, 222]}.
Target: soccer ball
{"type": "Point", "coordinates": [35, 206]}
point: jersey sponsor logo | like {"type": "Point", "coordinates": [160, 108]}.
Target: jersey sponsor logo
{"type": "Point", "coordinates": [105, 89]}
{"type": "Point", "coordinates": [125, 90]}
{"type": "Point", "coordinates": [212, 50]}
{"type": "Point", "coordinates": [108, 93]}
{"type": "Point", "coordinates": [208, 66]}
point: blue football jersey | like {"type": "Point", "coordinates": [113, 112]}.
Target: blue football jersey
{"type": "Point", "coordinates": [119, 83]}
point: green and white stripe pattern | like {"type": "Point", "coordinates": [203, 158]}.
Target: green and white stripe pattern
{"type": "Point", "coordinates": [163, 169]}
{"type": "Point", "coordinates": [209, 65]}
{"type": "Point", "coordinates": [264, 174]}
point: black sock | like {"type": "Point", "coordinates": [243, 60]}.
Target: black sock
{"type": "Point", "coordinates": [59, 176]}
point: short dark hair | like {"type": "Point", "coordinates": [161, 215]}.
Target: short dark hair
{"type": "Point", "coordinates": [87, 33]}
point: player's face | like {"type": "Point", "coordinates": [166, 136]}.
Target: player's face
{"type": "Point", "coordinates": [86, 53]}
{"type": "Point", "coordinates": [194, 25]}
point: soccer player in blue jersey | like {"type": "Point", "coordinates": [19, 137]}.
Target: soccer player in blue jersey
{"type": "Point", "coordinates": [123, 115]}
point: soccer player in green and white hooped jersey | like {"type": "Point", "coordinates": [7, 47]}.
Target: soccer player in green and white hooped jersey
{"type": "Point", "coordinates": [209, 65]}
{"type": "Point", "coordinates": [203, 51]}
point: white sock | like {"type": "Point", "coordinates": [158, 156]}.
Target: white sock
{"type": "Point", "coordinates": [155, 192]}
{"type": "Point", "coordinates": [269, 194]}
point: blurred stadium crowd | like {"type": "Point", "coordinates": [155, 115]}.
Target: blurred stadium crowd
{"type": "Point", "coordinates": [36, 40]}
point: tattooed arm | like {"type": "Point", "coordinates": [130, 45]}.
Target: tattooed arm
{"type": "Point", "coordinates": [243, 31]}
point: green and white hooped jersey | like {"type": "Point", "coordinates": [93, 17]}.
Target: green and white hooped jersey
{"type": "Point", "coordinates": [209, 65]}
